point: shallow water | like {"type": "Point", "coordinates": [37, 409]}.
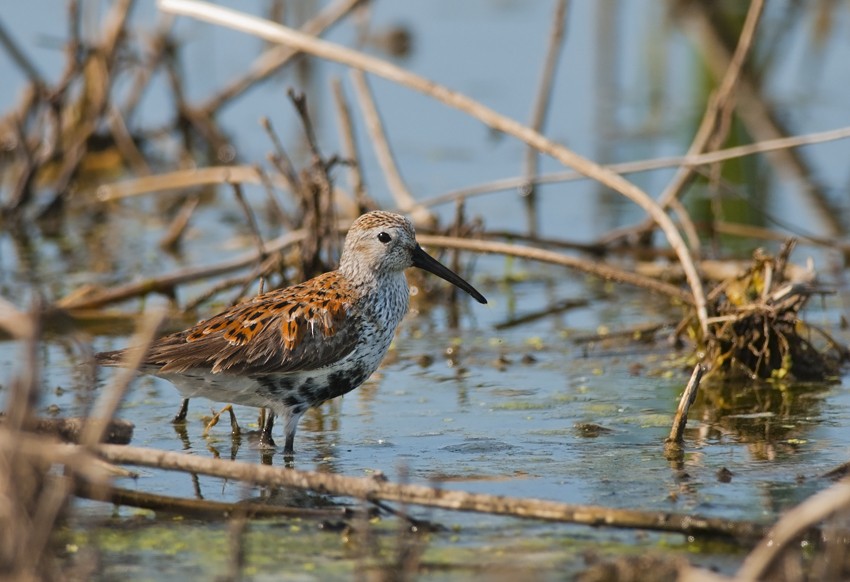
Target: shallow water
{"type": "Point", "coordinates": [485, 406]}
{"type": "Point", "coordinates": [548, 420]}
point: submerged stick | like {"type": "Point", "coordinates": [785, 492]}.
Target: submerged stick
{"type": "Point", "coordinates": [688, 397]}
{"type": "Point", "coordinates": [203, 508]}
{"type": "Point", "coordinates": [370, 489]}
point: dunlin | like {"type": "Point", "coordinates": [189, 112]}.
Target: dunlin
{"type": "Point", "coordinates": [293, 349]}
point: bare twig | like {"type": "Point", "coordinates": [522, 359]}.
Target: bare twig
{"type": "Point", "coordinates": [688, 396]}
{"type": "Point", "coordinates": [540, 109]}
{"type": "Point", "coordinates": [276, 57]}
{"type": "Point", "coordinates": [158, 48]}
{"type": "Point", "coordinates": [20, 59]}
{"type": "Point", "coordinates": [507, 184]}
{"type": "Point", "coordinates": [125, 144]}
{"type": "Point", "coordinates": [166, 283]}
{"type": "Point", "coordinates": [759, 232]}
{"type": "Point", "coordinates": [761, 122]}
{"type": "Point", "coordinates": [349, 149]}
{"type": "Point", "coordinates": [70, 430]}
{"type": "Point", "coordinates": [403, 198]}
{"type": "Point", "coordinates": [251, 220]}
{"type": "Point", "coordinates": [381, 489]}
{"type": "Point", "coordinates": [110, 399]}
{"type": "Point", "coordinates": [242, 281]}
{"type": "Point", "coordinates": [792, 525]}
{"type": "Point", "coordinates": [547, 311]}
{"type": "Point", "coordinates": [204, 508]}
{"type": "Point", "coordinates": [282, 217]}
{"type": "Point", "coordinates": [687, 225]}
{"type": "Point", "coordinates": [171, 239]}
{"type": "Point", "coordinates": [281, 162]}
{"type": "Point", "coordinates": [594, 268]}
{"type": "Point", "coordinates": [178, 180]}
{"type": "Point", "coordinates": [719, 105]}
{"type": "Point", "coordinates": [316, 199]}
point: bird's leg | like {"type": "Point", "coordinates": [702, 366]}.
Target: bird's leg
{"type": "Point", "coordinates": [290, 419]}
{"type": "Point", "coordinates": [266, 440]}
{"type": "Point", "coordinates": [234, 425]}
{"type": "Point", "coordinates": [289, 445]}
{"type": "Point", "coordinates": [180, 417]}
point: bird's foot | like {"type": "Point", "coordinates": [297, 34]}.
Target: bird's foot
{"type": "Point", "coordinates": [180, 417]}
{"type": "Point", "coordinates": [266, 440]}
{"type": "Point", "coordinates": [289, 450]}
{"type": "Point", "coordinates": [234, 425]}
{"type": "Point", "coordinates": [267, 424]}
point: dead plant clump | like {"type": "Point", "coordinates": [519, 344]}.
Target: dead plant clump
{"type": "Point", "coordinates": [757, 329]}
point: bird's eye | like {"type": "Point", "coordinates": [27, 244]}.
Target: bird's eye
{"type": "Point", "coordinates": [384, 237]}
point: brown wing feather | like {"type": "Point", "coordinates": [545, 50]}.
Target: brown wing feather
{"type": "Point", "coordinates": [297, 328]}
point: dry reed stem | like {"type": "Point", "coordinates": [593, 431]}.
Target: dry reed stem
{"type": "Point", "coordinates": [720, 104]}
{"type": "Point", "coordinates": [19, 57]}
{"type": "Point", "coordinates": [750, 231]}
{"type": "Point", "coordinates": [203, 508]}
{"type": "Point", "coordinates": [179, 180]}
{"type": "Point", "coordinates": [280, 215]}
{"type": "Point", "coordinates": [46, 449]}
{"type": "Point", "coordinates": [277, 33]}
{"type": "Point", "coordinates": [790, 527]}
{"type": "Point", "coordinates": [541, 108]}
{"type": "Point", "coordinates": [375, 126]}
{"type": "Point", "coordinates": [278, 56]}
{"type": "Point", "coordinates": [70, 429]}
{"type": "Point", "coordinates": [688, 396]}
{"type": "Point", "coordinates": [349, 148]}
{"type": "Point", "coordinates": [591, 267]}
{"type": "Point", "coordinates": [157, 47]}
{"type": "Point", "coordinates": [242, 281]}
{"type": "Point", "coordinates": [30, 500]}
{"type": "Point", "coordinates": [647, 165]}
{"type": "Point", "coordinates": [18, 324]}
{"type": "Point", "coordinates": [760, 121]}
{"type": "Point", "coordinates": [125, 144]}
{"type": "Point", "coordinates": [552, 309]}
{"type": "Point", "coordinates": [177, 228]}
{"type": "Point", "coordinates": [110, 398]}
{"type": "Point", "coordinates": [251, 221]}
{"type": "Point", "coordinates": [166, 283]}
{"type": "Point", "coordinates": [687, 225]}
{"type": "Point", "coordinates": [280, 160]}
{"type": "Point", "coordinates": [316, 199]}
{"type": "Point", "coordinates": [374, 488]}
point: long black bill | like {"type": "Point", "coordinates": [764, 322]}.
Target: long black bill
{"type": "Point", "coordinates": [425, 261]}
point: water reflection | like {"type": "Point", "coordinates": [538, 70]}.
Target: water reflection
{"type": "Point", "coordinates": [771, 418]}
